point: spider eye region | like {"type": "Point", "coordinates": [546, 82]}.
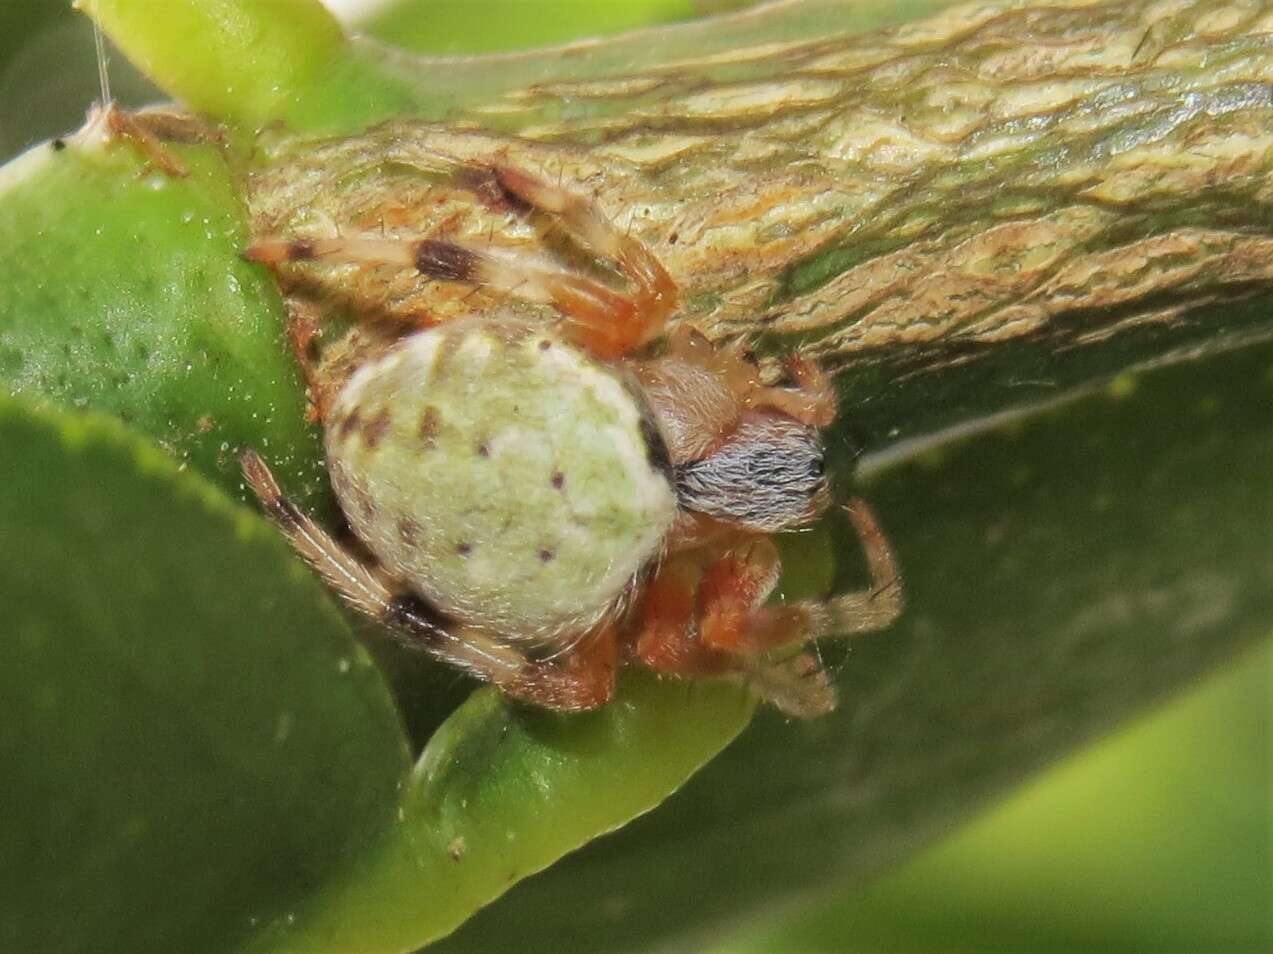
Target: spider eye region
{"type": "Point", "coordinates": [509, 485]}
{"type": "Point", "coordinates": [769, 475]}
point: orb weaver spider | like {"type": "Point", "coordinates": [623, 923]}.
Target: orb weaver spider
{"type": "Point", "coordinates": [544, 503]}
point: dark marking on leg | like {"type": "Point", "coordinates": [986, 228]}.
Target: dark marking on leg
{"type": "Point", "coordinates": [445, 260]}
{"type": "Point", "coordinates": [300, 251]}
{"type": "Point", "coordinates": [281, 510]}
{"type": "Point", "coordinates": [559, 479]}
{"type": "Point", "coordinates": [58, 145]}
{"type": "Point", "coordinates": [483, 449]}
{"type": "Point", "coordinates": [412, 614]}
{"type": "Point", "coordinates": [545, 344]}
{"type": "Point", "coordinates": [510, 199]}
{"type": "Point", "coordinates": [284, 513]}
{"type": "Point", "coordinates": [547, 554]}
{"type": "Point", "coordinates": [463, 549]}
{"type": "Point", "coordinates": [485, 186]}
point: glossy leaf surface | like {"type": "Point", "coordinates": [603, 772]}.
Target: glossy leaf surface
{"type": "Point", "coordinates": [192, 741]}
{"type": "Point", "coordinates": [1066, 562]}
{"type": "Point", "coordinates": [199, 756]}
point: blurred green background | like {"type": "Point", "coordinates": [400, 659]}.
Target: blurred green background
{"type": "Point", "coordinates": [1157, 839]}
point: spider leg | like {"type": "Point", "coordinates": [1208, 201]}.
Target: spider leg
{"type": "Point", "coordinates": [877, 606]}
{"type": "Point", "coordinates": [137, 131]}
{"type": "Point", "coordinates": [303, 331]}
{"type": "Point", "coordinates": [654, 292]}
{"type": "Point", "coordinates": [607, 322]}
{"type": "Point", "coordinates": [669, 639]}
{"type": "Point", "coordinates": [812, 401]}
{"type": "Point", "coordinates": [579, 680]}
{"type": "Point", "coordinates": [666, 636]}
{"type": "Point", "coordinates": [706, 614]}
{"type": "Point", "coordinates": [798, 685]}
{"type": "Point", "coordinates": [342, 571]}
{"type": "Point", "coordinates": [729, 625]}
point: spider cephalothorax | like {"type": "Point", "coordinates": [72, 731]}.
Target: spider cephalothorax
{"type": "Point", "coordinates": [546, 501]}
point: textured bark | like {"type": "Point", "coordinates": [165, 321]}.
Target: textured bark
{"type": "Point", "coordinates": [1053, 173]}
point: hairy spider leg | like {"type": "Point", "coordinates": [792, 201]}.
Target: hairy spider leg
{"type": "Point", "coordinates": [607, 322]}
{"type": "Point", "coordinates": [655, 293]}
{"type": "Point", "coordinates": [698, 620]}
{"type": "Point", "coordinates": [665, 635]}
{"type": "Point", "coordinates": [668, 639]}
{"type": "Point", "coordinates": [727, 625]}
{"type": "Point", "coordinates": [302, 331]}
{"type": "Point", "coordinates": [797, 686]}
{"type": "Point", "coordinates": [813, 401]}
{"type": "Point", "coordinates": [136, 130]}
{"type": "Point", "coordinates": [579, 680]}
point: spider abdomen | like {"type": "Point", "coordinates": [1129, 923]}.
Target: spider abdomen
{"type": "Point", "coordinates": [503, 475]}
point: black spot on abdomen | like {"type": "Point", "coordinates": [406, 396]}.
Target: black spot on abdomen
{"type": "Point", "coordinates": [375, 428]}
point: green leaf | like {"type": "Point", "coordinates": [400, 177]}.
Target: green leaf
{"type": "Point", "coordinates": [198, 756]}
{"type": "Point", "coordinates": [123, 289]}
{"type": "Point", "coordinates": [250, 62]}
{"type": "Point", "coordinates": [502, 792]}
{"type": "Point", "coordinates": [1064, 570]}
{"type": "Point", "coordinates": [1153, 840]}
{"type": "Point", "coordinates": [444, 26]}
{"type": "Point", "coordinates": [192, 742]}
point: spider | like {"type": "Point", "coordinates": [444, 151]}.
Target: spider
{"type": "Point", "coordinates": [547, 500]}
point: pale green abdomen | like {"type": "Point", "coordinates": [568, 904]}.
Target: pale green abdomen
{"type": "Point", "coordinates": [506, 477]}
